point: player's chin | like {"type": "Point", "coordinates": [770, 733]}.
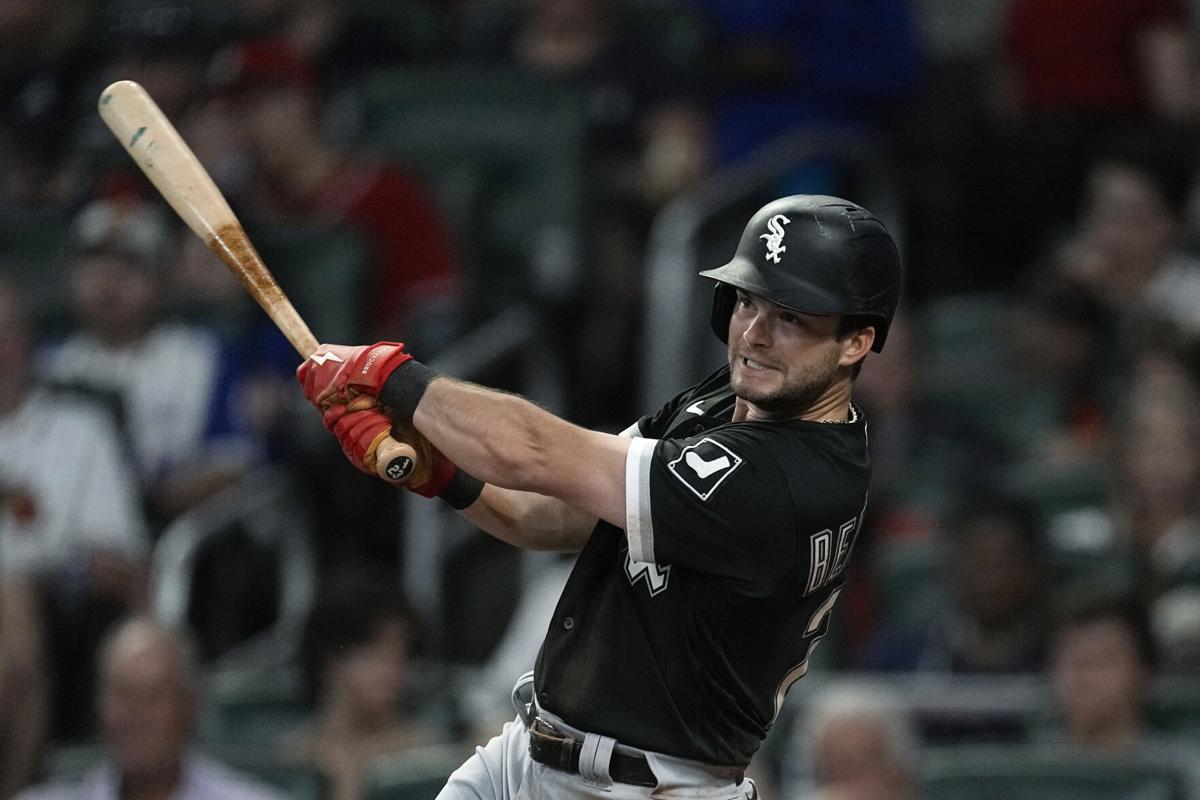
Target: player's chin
{"type": "Point", "coordinates": [755, 385]}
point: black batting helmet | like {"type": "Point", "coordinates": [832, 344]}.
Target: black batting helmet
{"type": "Point", "coordinates": [817, 255]}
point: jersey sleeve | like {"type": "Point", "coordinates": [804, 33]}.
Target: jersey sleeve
{"type": "Point", "coordinates": [717, 503]}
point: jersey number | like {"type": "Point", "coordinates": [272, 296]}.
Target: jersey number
{"type": "Point", "coordinates": [656, 577]}
{"type": "Point", "coordinates": [815, 622]}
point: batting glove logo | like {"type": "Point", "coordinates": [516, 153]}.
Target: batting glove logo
{"type": "Point", "coordinates": [321, 358]}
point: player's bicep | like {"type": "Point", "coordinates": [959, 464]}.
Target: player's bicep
{"type": "Point", "coordinates": [586, 470]}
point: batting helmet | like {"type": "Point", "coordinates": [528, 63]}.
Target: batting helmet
{"type": "Point", "coordinates": [817, 255]}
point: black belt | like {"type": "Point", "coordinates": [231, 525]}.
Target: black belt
{"type": "Point", "coordinates": [548, 746]}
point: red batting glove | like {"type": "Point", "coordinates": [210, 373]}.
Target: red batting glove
{"type": "Point", "coordinates": [361, 430]}
{"type": "Point", "coordinates": [359, 433]}
{"type": "Point", "coordinates": [339, 373]}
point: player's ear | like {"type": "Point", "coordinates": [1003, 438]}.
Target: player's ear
{"type": "Point", "coordinates": [856, 345]}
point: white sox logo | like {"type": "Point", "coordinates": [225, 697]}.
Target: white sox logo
{"type": "Point", "coordinates": [704, 465]}
{"type": "Point", "coordinates": [775, 237]}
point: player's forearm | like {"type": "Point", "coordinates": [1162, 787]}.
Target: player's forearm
{"type": "Point", "coordinates": [530, 521]}
{"type": "Point", "coordinates": [507, 441]}
{"type": "Point", "coordinates": [500, 438]}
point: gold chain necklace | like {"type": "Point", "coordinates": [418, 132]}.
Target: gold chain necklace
{"type": "Point", "coordinates": [852, 420]}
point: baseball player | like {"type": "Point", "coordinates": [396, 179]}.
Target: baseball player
{"type": "Point", "coordinates": [713, 534]}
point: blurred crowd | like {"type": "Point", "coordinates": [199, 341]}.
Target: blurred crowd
{"type": "Point", "coordinates": [412, 171]}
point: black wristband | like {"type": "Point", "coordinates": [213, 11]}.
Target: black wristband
{"type": "Point", "coordinates": [404, 388]}
{"type": "Point", "coordinates": [463, 490]}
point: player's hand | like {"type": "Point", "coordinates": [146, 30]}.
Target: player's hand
{"type": "Point", "coordinates": [433, 472]}
{"type": "Point", "coordinates": [338, 373]}
{"type": "Point", "coordinates": [361, 426]}
{"type": "Point", "coordinates": [359, 430]}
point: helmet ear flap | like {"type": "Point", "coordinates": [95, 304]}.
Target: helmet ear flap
{"type": "Point", "coordinates": [724, 297]}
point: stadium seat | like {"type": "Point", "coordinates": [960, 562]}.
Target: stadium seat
{"type": "Point", "coordinates": [297, 781]}
{"type": "Point", "coordinates": [1175, 709]}
{"type": "Point", "coordinates": [35, 254]}
{"type": "Point", "coordinates": [911, 580]}
{"type": "Point", "coordinates": [964, 355]}
{"type": "Point", "coordinates": [1044, 774]}
{"type": "Point", "coordinates": [70, 761]}
{"type": "Point", "coordinates": [254, 708]}
{"type": "Point", "coordinates": [417, 775]}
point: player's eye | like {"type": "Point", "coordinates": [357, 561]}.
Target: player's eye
{"type": "Point", "coordinates": [743, 300]}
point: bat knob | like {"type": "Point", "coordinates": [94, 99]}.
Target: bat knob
{"type": "Point", "coordinates": [396, 462]}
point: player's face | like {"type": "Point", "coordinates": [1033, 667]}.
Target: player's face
{"type": "Point", "coordinates": [781, 360]}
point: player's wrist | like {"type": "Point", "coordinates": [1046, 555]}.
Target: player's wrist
{"type": "Point", "coordinates": [462, 490]}
{"type": "Point", "coordinates": [403, 389]}
{"type": "Point", "coordinates": [374, 364]}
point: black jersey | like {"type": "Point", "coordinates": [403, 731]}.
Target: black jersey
{"type": "Point", "coordinates": [682, 633]}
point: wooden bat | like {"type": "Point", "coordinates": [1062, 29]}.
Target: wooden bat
{"type": "Point", "coordinates": [160, 152]}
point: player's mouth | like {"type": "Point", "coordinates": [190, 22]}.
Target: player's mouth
{"type": "Point", "coordinates": [750, 363]}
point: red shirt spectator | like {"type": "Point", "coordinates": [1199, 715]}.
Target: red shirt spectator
{"type": "Point", "coordinates": [414, 270]}
{"type": "Point", "coordinates": [412, 260]}
{"type": "Point", "coordinates": [1128, 58]}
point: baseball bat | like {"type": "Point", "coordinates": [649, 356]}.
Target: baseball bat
{"type": "Point", "coordinates": [162, 155]}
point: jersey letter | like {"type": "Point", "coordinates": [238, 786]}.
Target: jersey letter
{"type": "Point", "coordinates": [820, 547]}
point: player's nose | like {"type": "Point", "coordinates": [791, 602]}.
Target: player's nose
{"type": "Point", "coordinates": [758, 332]}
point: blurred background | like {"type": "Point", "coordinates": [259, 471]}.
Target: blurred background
{"type": "Point", "coordinates": [193, 581]}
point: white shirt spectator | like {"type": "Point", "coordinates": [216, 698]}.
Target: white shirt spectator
{"type": "Point", "coordinates": [171, 385]}
{"type": "Point", "coordinates": [203, 779]}
{"type": "Point", "coordinates": [1174, 294]}
{"type": "Point", "coordinates": [67, 487]}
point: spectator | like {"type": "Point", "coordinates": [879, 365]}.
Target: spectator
{"type": "Point", "coordinates": [1103, 660]}
{"type": "Point", "coordinates": [1067, 74]}
{"type": "Point", "coordinates": [924, 451]}
{"type": "Point", "coordinates": [1127, 248]}
{"type": "Point", "coordinates": [161, 44]}
{"type": "Point", "coordinates": [648, 141]}
{"type": "Point", "coordinates": [149, 700]}
{"type": "Point", "coordinates": [1094, 59]}
{"type": "Point", "coordinates": [1175, 617]}
{"type": "Point", "coordinates": [1058, 378]}
{"type": "Point", "coordinates": [855, 742]}
{"type": "Point", "coordinates": [45, 55]}
{"type": "Point", "coordinates": [994, 579]}
{"type": "Point", "coordinates": [780, 65]}
{"type": "Point", "coordinates": [1156, 505]}
{"type": "Point", "coordinates": [647, 135]}
{"type": "Point", "coordinates": [24, 701]}
{"type": "Point", "coordinates": [69, 526]}
{"type": "Point", "coordinates": [172, 383]}
{"type": "Point", "coordinates": [345, 41]}
{"type": "Point", "coordinates": [355, 656]}
{"type": "Point", "coordinates": [414, 285]}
